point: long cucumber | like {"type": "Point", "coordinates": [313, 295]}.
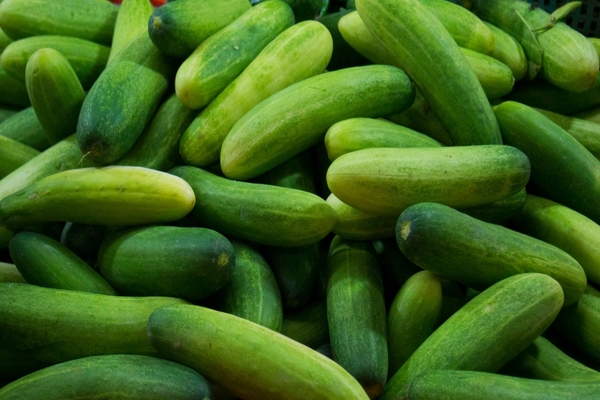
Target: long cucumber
{"type": "Point", "coordinates": [132, 20]}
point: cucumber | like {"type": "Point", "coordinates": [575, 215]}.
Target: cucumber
{"type": "Point", "coordinates": [13, 155]}
{"type": "Point", "coordinates": [101, 196]}
{"type": "Point", "coordinates": [271, 215]}
{"type": "Point", "coordinates": [387, 181]}
{"type": "Point", "coordinates": [355, 32]}
{"type": "Point", "coordinates": [363, 133]}
{"type": "Point", "coordinates": [177, 28]}
{"type": "Point", "coordinates": [429, 55]}
{"type": "Point", "coordinates": [509, 51]}
{"type": "Point", "coordinates": [559, 164]}
{"type": "Point", "coordinates": [308, 326]}
{"type": "Point", "coordinates": [42, 261]}
{"type": "Point", "coordinates": [274, 69]}
{"type": "Point", "coordinates": [307, 9]}
{"type": "Point", "coordinates": [498, 212]}
{"type": "Point", "coordinates": [131, 21]}
{"type": "Point", "coordinates": [344, 55]}
{"type": "Point", "coordinates": [354, 224]}
{"type": "Point", "coordinates": [10, 273]}
{"type": "Point", "coordinates": [496, 78]}
{"type": "Point", "coordinates": [12, 91]}
{"type": "Point", "coordinates": [158, 145]}
{"type": "Point", "coordinates": [223, 56]}
{"type": "Point", "coordinates": [218, 346]}
{"type": "Point", "coordinates": [7, 111]}
{"type": "Point", "coordinates": [252, 292]}
{"type": "Point", "coordinates": [4, 40]}
{"type": "Point", "coordinates": [592, 115]}
{"type": "Point", "coordinates": [55, 93]}
{"type": "Point", "coordinates": [356, 314]}
{"type": "Point", "coordinates": [487, 332]}
{"type": "Point", "coordinates": [187, 263]}
{"type": "Point", "coordinates": [296, 173]}
{"type": "Point", "coordinates": [88, 59]}
{"type": "Point", "coordinates": [119, 376]}
{"type": "Point", "coordinates": [85, 19]}
{"type": "Point", "coordinates": [261, 139]}
{"type": "Point", "coordinates": [25, 127]}
{"type": "Point", "coordinates": [83, 240]}
{"type": "Point", "coordinates": [123, 100]}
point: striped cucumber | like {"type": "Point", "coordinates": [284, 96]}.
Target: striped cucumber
{"type": "Point", "coordinates": [13, 155]}
{"type": "Point", "coordinates": [24, 127]}
{"type": "Point", "coordinates": [12, 91]}
{"type": "Point", "coordinates": [131, 21]}
{"type": "Point", "coordinates": [308, 326]}
{"type": "Point", "coordinates": [509, 51]}
{"type": "Point", "coordinates": [10, 273]}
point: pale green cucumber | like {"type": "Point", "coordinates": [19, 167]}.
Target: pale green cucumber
{"type": "Point", "coordinates": [10, 273]}
{"type": "Point", "coordinates": [355, 32]}
{"type": "Point", "coordinates": [299, 52]}
{"type": "Point", "coordinates": [386, 181]}
{"type": "Point", "coordinates": [495, 77]}
{"type": "Point", "coordinates": [225, 55]}
{"type": "Point", "coordinates": [25, 127]}
{"type": "Point", "coordinates": [262, 139]}
{"type": "Point", "coordinates": [308, 326]}
{"type": "Point", "coordinates": [487, 332]}
{"type": "Point", "coordinates": [509, 51]}
{"type": "Point", "coordinates": [55, 93]}
{"type": "Point", "coordinates": [12, 91]}
{"type": "Point", "coordinates": [132, 19]}
{"type": "Point", "coordinates": [363, 133]}
{"type": "Point", "coordinates": [223, 347]}
{"type": "Point", "coordinates": [354, 224]}
{"type": "Point", "coordinates": [13, 155]}
{"type": "Point", "coordinates": [101, 196]}
{"type": "Point", "coordinates": [429, 55]}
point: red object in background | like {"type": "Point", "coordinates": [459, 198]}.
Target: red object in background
{"type": "Point", "coordinates": [155, 3]}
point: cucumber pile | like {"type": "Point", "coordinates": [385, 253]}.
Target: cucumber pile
{"type": "Point", "coordinates": [298, 200]}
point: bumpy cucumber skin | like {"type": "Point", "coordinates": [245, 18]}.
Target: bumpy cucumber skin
{"type": "Point", "coordinates": [223, 56]}
{"type": "Point", "coordinates": [131, 21]}
{"type": "Point", "coordinates": [119, 376]}
{"type": "Point", "coordinates": [311, 107]}
{"type": "Point", "coordinates": [265, 214]}
{"type": "Point", "coordinates": [177, 28]}
{"type": "Point", "coordinates": [10, 273]}
{"type": "Point", "coordinates": [308, 326]}
{"type": "Point", "coordinates": [13, 155]}
{"type": "Point", "coordinates": [223, 348]}
{"type": "Point", "coordinates": [354, 224]}
{"type": "Point", "coordinates": [86, 19]}
{"type": "Point", "coordinates": [25, 127]}
{"type": "Point", "coordinates": [12, 91]}
{"type": "Point", "coordinates": [487, 332]}
{"type": "Point", "coordinates": [509, 51]}
{"type": "Point", "coordinates": [427, 51]}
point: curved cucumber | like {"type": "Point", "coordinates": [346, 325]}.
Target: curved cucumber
{"type": "Point", "coordinates": [24, 127]}
{"type": "Point", "coordinates": [274, 69]}
{"type": "Point", "coordinates": [386, 181]}
{"type": "Point", "coordinates": [12, 91]}
{"type": "Point", "coordinates": [509, 51]}
{"type": "Point", "coordinates": [261, 139]}
{"type": "Point", "coordinates": [223, 56]}
{"type": "Point", "coordinates": [217, 344]}
{"type": "Point", "coordinates": [265, 214]}
{"type": "Point", "coordinates": [131, 21]}
{"type": "Point", "coordinates": [101, 196]}
{"type": "Point", "coordinates": [13, 155]}
{"type": "Point", "coordinates": [10, 273]}
{"type": "Point", "coordinates": [308, 326]}
{"type": "Point", "coordinates": [354, 224]}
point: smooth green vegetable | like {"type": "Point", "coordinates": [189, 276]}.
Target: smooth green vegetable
{"type": "Point", "coordinates": [24, 127]}
{"type": "Point", "coordinates": [354, 224]}
{"type": "Point", "coordinates": [509, 51]}
{"type": "Point", "coordinates": [13, 155]}
{"type": "Point", "coordinates": [12, 91]}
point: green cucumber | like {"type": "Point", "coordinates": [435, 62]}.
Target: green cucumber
{"type": "Point", "coordinates": [45, 262]}
{"type": "Point", "coordinates": [88, 59]}
{"type": "Point", "coordinates": [559, 163]}
{"type": "Point", "coordinates": [55, 93]}
{"type": "Point", "coordinates": [123, 100]}
{"type": "Point", "coordinates": [177, 28]}
{"type": "Point", "coordinates": [10, 273]}
{"type": "Point", "coordinates": [265, 214]}
{"type": "Point", "coordinates": [496, 78]}
{"type": "Point", "coordinates": [386, 181]}
{"type": "Point", "coordinates": [296, 173]}
{"type": "Point", "coordinates": [85, 19]}
{"type": "Point", "coordinates": [450, 243]}
{"type": "Point", "coordinates": [308, 326]}
{"type": "Point", "coordinates": [188, 263]}
{"type": "Point", "coordinates": [218, 346]}
{"type": "Point", "coordinates": [101, 196]}
{"type": "Point", "coordinates": [252, 291]}
{"type": "Point", "coordinates": [4, 40]}
{"type": "Point", "coordinates": [131, 21]}
{"type": "Point", "coordinates": [344, 55]}
{"type": "Point", "coordinates": [25, 127]}
{"type": "Point", "coordinates": [12, 91]}
{"type": "Point", "coordinates": [592, 115]}
{"type": "Point", "coordinates": [7, 111]}
{"type": "Point", "coordinates": [13, 155]}
{"type": "Point", "coordinates": [363, 133]}
{"type": "Point", "coordinates": [261, 140]}
{"type": "Point", "coordinates": [354, 224]}
{"type": "Point", "coordinates": [307, 9]}
{"type": "Point", "coordinates": [83, 240]}
{"type": "Point", "coordinates": [158, 145]}
{"type": "Point", "coordinates": [119, 376]}
{"type": "Point", "coordinates": [429, 55]}
{"type": "Point", "coordinates": [487, 332]}
{"type": "Point", "coordinates": [355, 32]}
{"type": "Point", "coordinates": [499, 211]}
{"type": "Point", "coordinates": [356, 314]}
{"type": "Point", "coordinates": [225, 55]}
{"type": "Point", "coordinates": [274, 69]}
{"type": "Point", "coordinates": [509, 51]}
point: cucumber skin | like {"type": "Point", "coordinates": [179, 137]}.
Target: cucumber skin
{"type": "Point", "coordinates": [123, 100]}
{"type": "Point", "coordinates": [132, 20]}
{"type": "Point", "coordinates": [111, 376]}
{"type": "Point", "coordinates": [12, 91]}
{"type": "Point", "coordinates": [509, 51]}
{"type": "Point", "coordinates": [308, 326]}
{"type": "Point", "coordinates": [508, 317]}
{"type": "Point", "coordinates": [354, 224]}
{"type": "Point", "coordinates": [25, 127]}
{"type": "Point", "coordinates": [498, 212]}
{"type": "Point", "coordinates": [274, 216]}
{"type": "Point", "coordinates": [10, 273]}
{"type": "Point", "coordinates": [217, 346]}
{"type": "Point", "coordinates": [495, 77]}
{"type": "Point", "coordinates": [13, 155]}
{"type": "Point", "coordinates": [344, 55]}
{"type": "Point", "coordinates": [311, 107]}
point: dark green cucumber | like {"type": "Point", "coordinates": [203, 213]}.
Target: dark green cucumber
{"type": "Point", "coordinates": [296, 173]}
{"type": "Point", "coordinates": [307, 9]}
{"type": "Point", "coordinates": [188, 263]}
{"type": "Point", "coordinates": [12, 91]}
{"type": "Point", "coordinates": [10, 273]}
{"type": "Point", "coordinates": [123, 100]}
{"type": "Point", "coordinates": [509, 51]}
{"type": "Point", "coordinates": [265, 214]}
{"type": "Point", "coordinates": [131, 21]}
{"type": "Point", "coordinates": [559, 163]}
{"type": "Point", "coordinates": [344, 55]}
{"type": "Point", "coordinates": [7, 111]}
{"type": "Point", "coordinates": [354, 224]}
{"type": "Point", "coordinates": [55, 93]}
{"type": "Point", "coordinates": [499, 211]}
{"type": "Point", "coordinates": [450, 243]}
{"type": "Point", "coordinates": [223, 56]}
{"type": "Point", "coordinates": [261, 139]}
{"type": "Point", "coordinates": [86, 19]}
{"type": "Point", "coordinates": [252, 291]}
{"type": "Point", "coordinates": [84, 240]}
{"type": "Point", "coordinates": [308, 326]}
{"type": "Point", "coordinates": [222, 347]}
{"type": "Point", "coordinates": [111, 376]}
{"type": "Point", "coordinates": [45, 262]}
{"type": "Point", "coordinates": [429, 55]}
{"type": "Point", "coordinates": [487, 332]}
{"type": "Point", "coordinates": [25, 127]}
{"type": "Point", "coordinates": [592, 115]}
{"type": "Point", "coordinates": [356, 314]}
{"type": "Point", "coordinates": [177, 28]}
{"type": "Point", "coordinates": [88, 59]}
{"type": "Point", "coordinates": [158, 145]}
{"type": "Point", "coordinates": [13, 155]}
{"type": "Point", "coordinates": [4, 40]}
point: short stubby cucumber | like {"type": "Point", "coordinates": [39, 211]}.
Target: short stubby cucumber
{"type": "Point", "coordinates": [262, 139]}
{"type": "Point", "coordinates": [100, 196]}
{"type": "Point", "coordinates": [386, 181]}
{"type": "Point", "coordinates": [13, 154]}
{"type": "Point", "coordinates": [24, 127]}
{"type": "Point", "coordinates": [132, 20]}
{"type": "Point", "coordinates": [509, 51]}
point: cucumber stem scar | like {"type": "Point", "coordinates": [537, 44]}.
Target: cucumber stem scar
{"type": "Point", "coordinates": [405, 231]}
